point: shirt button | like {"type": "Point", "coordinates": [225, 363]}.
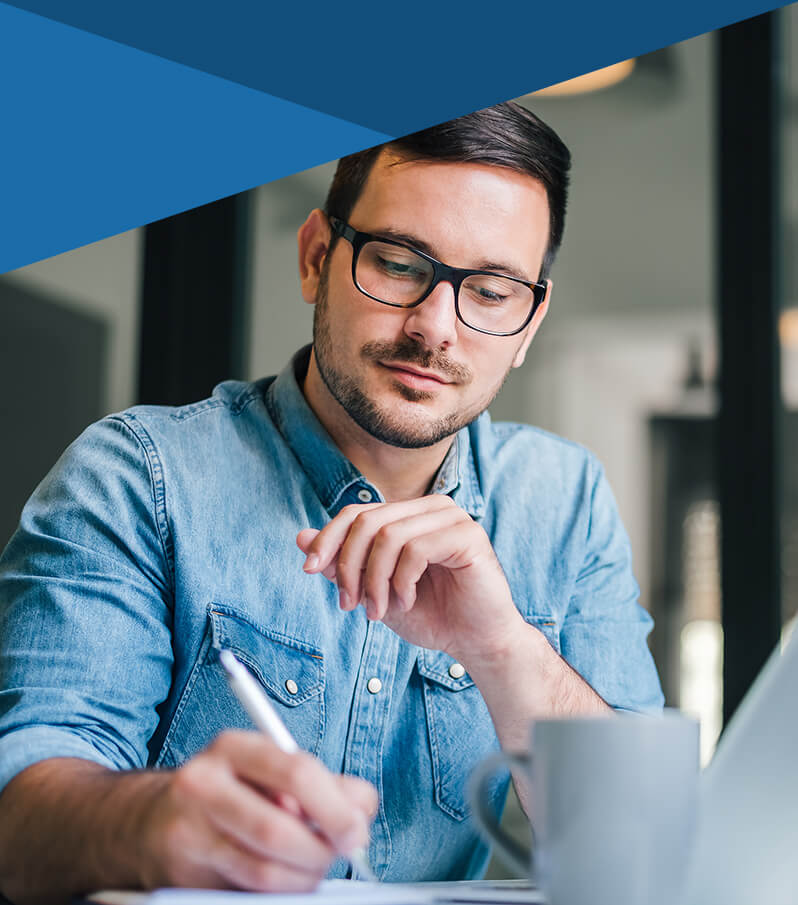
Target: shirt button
{"type": "Point", "coordinates": [291, 687]}
{"type": "Point", "coordinates": [457, 670]}
{"type": "Point", "coordinates": [365, 496]}
{"type": "Point", "coordinates": [374, 685]}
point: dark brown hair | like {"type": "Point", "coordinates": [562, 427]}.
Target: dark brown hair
{"type": "Point", "coordinates": [507, 135]}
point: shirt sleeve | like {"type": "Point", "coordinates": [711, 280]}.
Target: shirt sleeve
{"type": "Point", "coordinates": [605, 630]}
{"type": "Point", "coordinates": [86, 607]}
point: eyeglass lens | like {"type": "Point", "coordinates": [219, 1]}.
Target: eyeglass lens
{"type": "Point", "coordinates": [399, 276]}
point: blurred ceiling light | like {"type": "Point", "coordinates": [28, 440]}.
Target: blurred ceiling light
{"type": "Point", "coordinates": [645, 82]}
{"type": "Point", "coordinates": [788, 328]}
{"type": "Point", "coordinates": [591, 81]}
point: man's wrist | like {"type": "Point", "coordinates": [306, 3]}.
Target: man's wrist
{"type": "Point", "coordinates": [126, 826]}
{"type": "Point", "coordinates": [516, 641]}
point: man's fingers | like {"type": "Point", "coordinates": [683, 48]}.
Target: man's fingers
{"type": "Point", "coordinates": [322, 547]}
{"type": "Point", "coordinates": [306, 779]}
{"type": "Point", "coordinates": [287, 803]}
{"type": "Point", "coordinates": [356, 547]}
{"type": "Point", "coordinates": [267, 830]}
{"type": "Point", "coordinates": [243, 814]}
{"type": "Point", "coordinates": [244, 870]}
{"type": "Point", "coordinates": [435, 548]}
{"type": "Point", "coordinates": [362, 794]}
{"type": "Point", "coordinates": [328, 541]}
{"type": "Point", "coordinates": [387, 548]}
{"type": "Point", "coordinates": [303, 540]}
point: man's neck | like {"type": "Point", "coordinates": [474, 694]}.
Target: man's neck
{"type": "Point", "coordinates": [399, 474]}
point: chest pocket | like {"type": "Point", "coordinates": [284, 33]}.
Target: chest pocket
{"type": "Point", "coordinates": [289, 669]}
{"type": "Point", "coordinates": [460, 730]}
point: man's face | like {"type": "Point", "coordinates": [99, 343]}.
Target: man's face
{"type": "Point", "coordinates": [413, 376]}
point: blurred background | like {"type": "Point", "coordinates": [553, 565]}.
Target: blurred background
{"type": "Point", "coordinates": [671, 349]}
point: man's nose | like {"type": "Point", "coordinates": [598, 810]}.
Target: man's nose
{"type": "Point", "coordinates": [434, 321]}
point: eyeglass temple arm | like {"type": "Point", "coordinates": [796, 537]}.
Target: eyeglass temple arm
{"type": "Point", "coordinates": [343, 229]}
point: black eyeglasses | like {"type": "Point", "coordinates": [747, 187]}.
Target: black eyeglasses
{"type": "Point", "coordinates": [395, 274]}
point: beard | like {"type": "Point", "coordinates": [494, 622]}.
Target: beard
{"type": "Point", "coordinates": [396, 427]}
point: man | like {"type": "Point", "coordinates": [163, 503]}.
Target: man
{"type": "Point", "coordinates": [411, 584]}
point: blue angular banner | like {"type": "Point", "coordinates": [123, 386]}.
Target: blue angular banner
{"type": "Point", "coordinates": [99, 138]}
{"type": "Point", "coordinates": [119, 114]}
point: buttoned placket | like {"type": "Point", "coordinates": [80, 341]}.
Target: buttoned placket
{"type": "Point", "coordinates": [370, 712]}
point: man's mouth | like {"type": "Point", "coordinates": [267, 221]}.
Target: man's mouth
{"type": "Point", "coordinates": [414, 376]}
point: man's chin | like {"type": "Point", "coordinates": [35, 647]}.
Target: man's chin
{"type": "Point", "coordinates": [407, 425]}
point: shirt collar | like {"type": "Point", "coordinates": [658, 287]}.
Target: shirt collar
{"type": "Point", "coordinates": [330, 472]}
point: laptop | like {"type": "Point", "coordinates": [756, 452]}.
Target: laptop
{"type": "Point", "coordinates": [746, 849]}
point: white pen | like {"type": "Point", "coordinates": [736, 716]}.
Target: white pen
{"type": "Point", "coordinates": [265, 717]}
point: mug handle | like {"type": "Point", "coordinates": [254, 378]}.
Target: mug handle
{"type": "Point", "coordinates": [516, 856]}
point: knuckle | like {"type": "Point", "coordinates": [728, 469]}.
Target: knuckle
{"type": "Point", "coordinates": [415, 547]}
{"type": "Point", "coordinates": [387, 534]}
{"type": "Point", "coordinates": [301, 771]}
{"type": "Point", "coordinates": [191, 780]}
{"type": "Point", "coordinates": [175, 836]}
{"type": "Point", "coordinates": [363, 520]}
{"type": "Point", "coordinates": [225, 741]}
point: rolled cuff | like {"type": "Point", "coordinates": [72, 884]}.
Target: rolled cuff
{"type": "Point", "coordinates": [24, 747]}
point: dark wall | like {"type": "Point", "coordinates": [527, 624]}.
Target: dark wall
{"type": "Point", "coordinates": [52, 377]}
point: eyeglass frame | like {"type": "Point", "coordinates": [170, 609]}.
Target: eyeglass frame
{"type": "Point", "coordinates": [441, 273]}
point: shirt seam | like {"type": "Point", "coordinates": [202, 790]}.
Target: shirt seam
{"type": "Point", "coordinates": [157, 487]}
{"type": "Point", "coordinates": [235, 406]}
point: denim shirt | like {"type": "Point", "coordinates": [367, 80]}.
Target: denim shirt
{"type": "Point", "coordinates": [164, 534]}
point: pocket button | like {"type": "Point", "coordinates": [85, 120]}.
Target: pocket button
{"type": "Point", "coordinates": [291, 687]}
{"type": "Point", "coordinates": [457, 670]}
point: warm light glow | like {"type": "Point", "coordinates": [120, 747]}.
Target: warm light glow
{"type": "Point", "coordinates": [701, 640]}
{"type": "Point", "coordinates": [788, 328]}
{"type": "Point", "coordinates": [591, 81]}
{"type": "Point", "coordinates": [701, 680]}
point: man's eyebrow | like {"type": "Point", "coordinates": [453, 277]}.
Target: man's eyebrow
{"type": "Point", "coordinates": [496, 266]}
{"type": "Point", "coordinates": [407, 239]}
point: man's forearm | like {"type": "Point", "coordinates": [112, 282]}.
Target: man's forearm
{"type": "Point", "coordinates": [529, 680]}
{"type": "Point", "coordinates": [68, 826]}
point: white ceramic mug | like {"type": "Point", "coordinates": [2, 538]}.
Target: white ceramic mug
{"type": "Point", "coordinates": [613, 807]}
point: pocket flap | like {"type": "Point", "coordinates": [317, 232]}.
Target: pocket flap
{"type": "Point", "coordinates": [291, 669]}
{"type": "Point", "coordinates": [442, 669]}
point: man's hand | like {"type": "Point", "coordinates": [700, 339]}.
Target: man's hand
{"type": "Point", "coordinates": [247, 815]}
{"type": "Point", "coordinates": [425, 568]}
{"type": "Point", "coordinates": [428, 571]}
{"type": "Point", "coordinates": [241, 814]}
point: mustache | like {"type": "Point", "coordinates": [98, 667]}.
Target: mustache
{"type": "Point", "coordinates": [410, 352]}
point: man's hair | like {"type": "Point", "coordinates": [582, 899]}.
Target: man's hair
{"type": "Point", "coordinates": [507, 135]}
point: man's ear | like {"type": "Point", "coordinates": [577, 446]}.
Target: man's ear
{"type": "Point", "coordinates": [313, 241]}
{"type": "Point", "coordinates": [534, 324]}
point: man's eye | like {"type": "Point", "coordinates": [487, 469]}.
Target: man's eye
{"type": "Point", "coordinates": [485, 295]}
{"type": "Point", "coordinates": [492, 291]}
{"type": "Point", "coordinates": [398, 268]}
{"type": "Point", "coordinates": [490, 296]}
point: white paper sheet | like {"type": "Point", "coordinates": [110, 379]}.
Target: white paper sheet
{"type": "Point", "coordinates": [342, 892]}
